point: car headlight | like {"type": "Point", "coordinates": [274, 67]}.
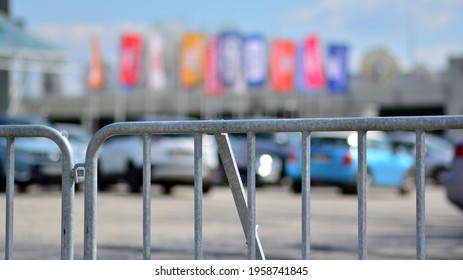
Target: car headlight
{"type": "Point", "coordinates": [265, 165]}
{"type": "Point", "coordinates": [54, 156]}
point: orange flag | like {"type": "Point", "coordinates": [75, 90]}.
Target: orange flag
{"type": "Point", "coordinates": [192, 59]}
{"type": "Point", "coordinates": [96, 75]}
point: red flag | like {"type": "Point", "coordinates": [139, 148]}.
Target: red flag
{"type": "Point", "coordinates": [282, 65]}
{"type": "Point", "coordinates": [131, 59]}
{"type": "Point", "coordinates": [313, 64]}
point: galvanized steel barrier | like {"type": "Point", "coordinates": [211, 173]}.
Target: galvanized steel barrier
{"type": "Point", "coordinates": [247, 207]}
{"type": "Point", "coordinates": [14, 131]}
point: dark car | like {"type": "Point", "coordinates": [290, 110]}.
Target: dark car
{"type": "Point", "coordinates": [37, 159]}
{"type": "Point", "coordinates": [271, 152]}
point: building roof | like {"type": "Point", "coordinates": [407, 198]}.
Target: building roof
{"type": "Point", "coordinates": [18, 43]}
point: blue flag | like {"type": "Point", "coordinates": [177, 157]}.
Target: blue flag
{"type": "Point", "coordinates": [230, 58]}
{"type": "Point", "coordinates": [337, 69]}
{"type": "Point", "coordinates": [255, 60]}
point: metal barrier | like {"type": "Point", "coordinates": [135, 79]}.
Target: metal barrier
{"type": "Point", "coordinates": [14, 131]}
{"type": "Point", "coordinates": [246, 207]}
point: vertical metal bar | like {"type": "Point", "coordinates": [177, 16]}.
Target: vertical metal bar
{"type": "Point", "coordinates": [90, 215]}
{"type": "Point", "coordinates": [306, 195]}
{"type": "Point", "coordinates": [9, 198]}
{"type": "Point", "coordinates": [146, 197]}
{"type": "Point", "coordinates": [362, 195]}
{"type": "Point", "coordinates": [198, 195]}
{"type": "Point", "coordinates": [251, 188]}
{"type": "Point", "coordinates": [420, 196]}
{"type": "Point", "coordinates": [67, 203]}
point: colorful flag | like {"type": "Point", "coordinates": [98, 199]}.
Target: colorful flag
{"type": "Point", "coordinates": [131, 59]}
{"type": "Point", "coordinates": [255, 60]}
{"type": "Point", "coordinates": [96, 74]}
{"type": "Point", "coordinates": [313, 64]}
{"type": "Point", "coordinates": [192, 59]}
{"type": "Point", "coordinates": [337, 69]}
{"type": "Point", "coordinates": [212, 83]}
{"type": "Point", "coordinates": [282, 65]}
{"type": "Point", "coordinates": [230, 58]}
{"type": "Point", "coordinates": [156, 71]}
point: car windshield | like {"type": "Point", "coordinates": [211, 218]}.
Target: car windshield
{"type": "Point", "coordinates": [347, 142]}
{"type": "Point", "coordinates": [439, 145]}
{"type": "Point", "coordinates": [329, 141]}
{"type": "Point", "coordinates": [23, 121]}
{"type": "Point", "coordinates": [259, 136]}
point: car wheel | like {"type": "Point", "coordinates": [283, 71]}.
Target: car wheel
{"type": "Point", "coordinates": [134, 179]}
{"type": "Point", "coordinates": [22, 187]}
{"type": "Point", "coordinates": [439, 174]}
{"type": "Point", "coordinates": [207, 187]}
{"type": "Point", "coordinates": [296, 186]}
{"type": "Point", "coordinates": [167, 188]}
{"type": "Point", "coordinates": [103, 186]}
{"type": "Point", "coordinates": [349, 189]}
{"type": "Point", "coordinates": [408, 183]}
{"type": "Point", "coordinates": [2, 185]}
{"type": "Point", "coordinates": [79, 187]}
{"type": "Point", "coordinates": [352, 189]}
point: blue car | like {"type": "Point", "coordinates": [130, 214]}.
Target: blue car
{"type": "Point", "coordinates": [334, 162]}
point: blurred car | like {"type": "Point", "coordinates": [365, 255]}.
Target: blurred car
{"type": "Point", "coordinates": [271, 151]}
{"type": "Point", "coordinates": [453, 180]}
{"type": "Point", "coordinates": [172, 159]}
{"type": "Point", "coordinates": [439, 152]}
{"type": "Point", "coordinates": [78, 137]}
{"type": "Point", "coordinates": [37, 159]}
{"type": "Point", "coordinates": [334, 161]}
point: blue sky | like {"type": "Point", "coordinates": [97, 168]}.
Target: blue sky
{"type": "Point", "coordinates": [424, 32]}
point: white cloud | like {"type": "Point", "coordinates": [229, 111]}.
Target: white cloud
{"type": "Point", "coordinates": [436, 57]}
{"type": "Point", "coordinates": [431, 19]}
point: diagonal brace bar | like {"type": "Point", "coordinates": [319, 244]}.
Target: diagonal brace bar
{"type": "Point", "coordinates": [236, 186]}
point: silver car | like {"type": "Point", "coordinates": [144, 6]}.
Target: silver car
{"type": "Point", "coordinates": [453, 181]}
{"type": "Point", "coordinates": [439, 152]}
{"type": "Point", "coordinates": [172, 159]}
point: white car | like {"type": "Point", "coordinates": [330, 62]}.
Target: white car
{"type": "Point", "coordinates": [172, 158]}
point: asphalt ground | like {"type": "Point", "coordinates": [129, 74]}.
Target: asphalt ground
{"type": "Point", "coordinates": [391, 225]}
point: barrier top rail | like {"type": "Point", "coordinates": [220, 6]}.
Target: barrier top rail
{"type": "Point", "coordinates": [427, 123]}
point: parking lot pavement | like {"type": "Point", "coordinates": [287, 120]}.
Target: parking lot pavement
{"type": "Point", "coordinates": [391, 225]}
